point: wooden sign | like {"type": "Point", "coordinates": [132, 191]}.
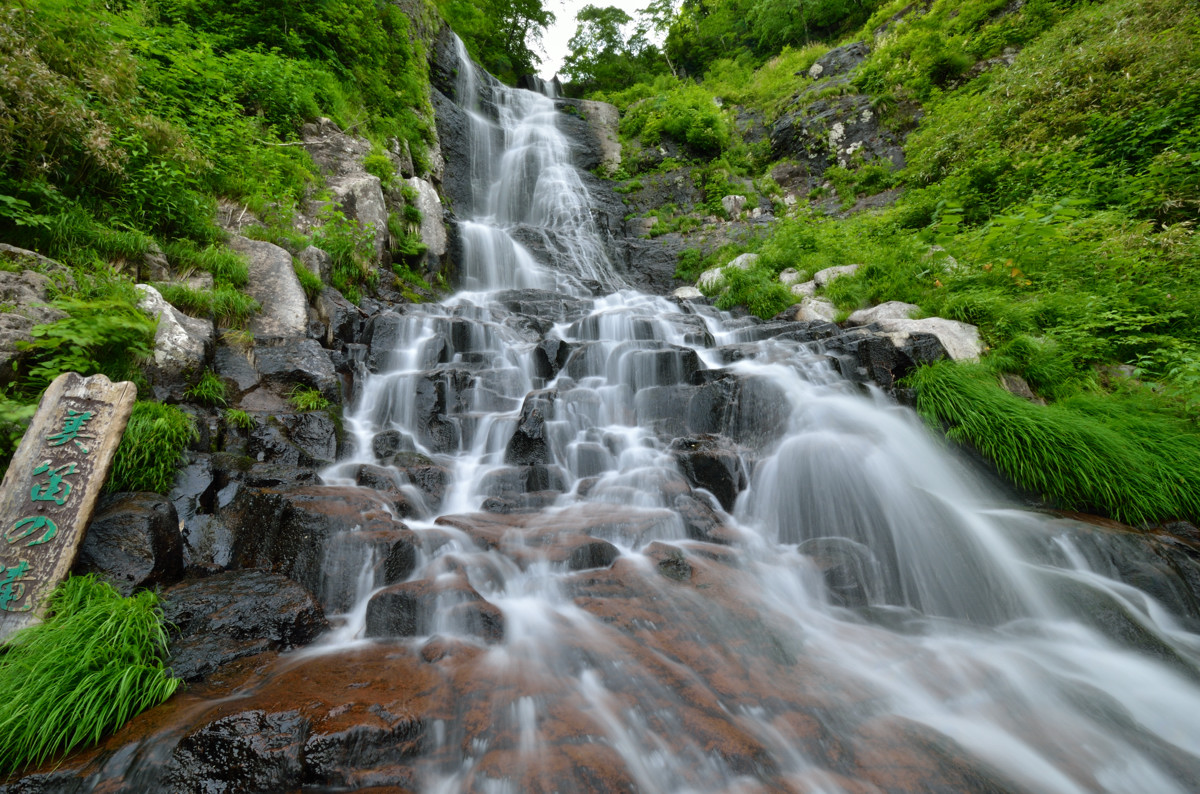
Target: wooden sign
{"type": "Point", "coordinates": [51, 488]}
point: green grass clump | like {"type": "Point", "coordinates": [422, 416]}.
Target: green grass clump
{"type": "Point", "coordinates": [240, 419]}
{"type": "Point", "coordinates": [209, 389]}
{"type": "Point", "coordinates": [307, 399]}
{"type": "Point", "coordinates": [1122, 455]}
{"type": "Point", "coordinates": [91, 666]}
{"type": "Point", "coordinates": [151, 449]}
{"type": "Point", "coordinates": [310, 282]}
{"type": "Point", "coordinates": [350, 246]}
{"type": "Point", "coordinates": [225, 304]}
{"type": "Point", "coordinates": [226, 265]}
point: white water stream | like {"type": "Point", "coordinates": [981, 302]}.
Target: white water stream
{"type": "Point", "coordinates": [957, 641]}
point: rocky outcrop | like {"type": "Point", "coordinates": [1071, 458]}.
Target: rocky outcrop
{"type": "Point", "coordinates": [232, 615]}
{"type": "Point", "coordinates": [273, 283]}
{"type": "Point", "coordinates": [133, 542]}
{"type": "Point", "coordinates": [182, 346]}
{"type": "Point", "coordinates": [592, 127]}
{"type": "Point", "coordinates": [24, 296]}
{"type": "Point", "coordinates": [433, 230]}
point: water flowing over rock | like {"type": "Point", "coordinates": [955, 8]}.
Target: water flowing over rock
{"type": "Point", "coordinates": [586, 539]}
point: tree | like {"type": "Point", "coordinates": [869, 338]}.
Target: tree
{"type": "Point", "coordinates": [602, 57]}
{"type": "Point", "coordinates": [498, 33]}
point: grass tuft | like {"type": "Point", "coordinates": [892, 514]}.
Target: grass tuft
{"type": "Point", "coordinates": [95, 663]}
{"type": "Point", "coordinates": [209, 389]}
{"type": "Point", "coordinates": [151, 449]}
{"type": "Point", "coordinates": [307, 399]}
{"type": "Point", "coordinates": [1121, 454]}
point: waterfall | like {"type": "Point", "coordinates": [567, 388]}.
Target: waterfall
{"type": "Point", "coordinates": [666, 554]}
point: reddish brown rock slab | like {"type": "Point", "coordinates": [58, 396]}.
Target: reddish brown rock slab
{"type": "Point", "coordinates": [605, 521]}
{"type": "Point", "coordinates": [407, 609]}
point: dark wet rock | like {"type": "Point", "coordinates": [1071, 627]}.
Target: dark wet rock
{"type": "Point", "coordinates": [314, 432]}
{"type": "Point", "coordinates": [713, 463]}
{"type": "Point", "coordinates": [700, 520]}
{"type": "Point", "coordinates": [406, 610]}
{"type": "Point", "coordinates": [248, 751]}
{"type": "Point", "coordinates": [850, 569]}
{"type": "Point", "coordinates": [389, 443]}
{"type": "Point", "coordinates": [512, 481]}
{"type": "Point", "coordinates": [550, 356]}
{"type": "Point", "coordinates": [235, 370]}
{"type": "Point", "coordinates": [670, 561]}
{"type": "Point", "coordinates": [133, 541]}
{"type": "Point", "coordinates": [528, 444]}
{"type": "Point", "coordinates": [235, 614]}
{"type": "Point", "coordinates": [750, 411]}
{"type": "Point", "coordinates": [390, 554]}
{"type": "Point", "coordinates": [287, 528]}
{"type": "Point", "coordinates": [298, 362]}
{"type": "Point", "coordinates": [344, 321]}
{"type": "Point", "coordinates": [383, 334]}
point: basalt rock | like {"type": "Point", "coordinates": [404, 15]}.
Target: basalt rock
{"type": "Point", "coordinates": [712, 463]}
{"type": "Point", "coordinates": [133, 542]}
{"type": "Point", "coordinates": [235, 614]}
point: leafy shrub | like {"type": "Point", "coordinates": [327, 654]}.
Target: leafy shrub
{"type": "Point", "coordinates": [93, 664]}
{"type": "Point", "coordinates": [379, 164]}
{"type": "Point", "coordinates": [351, 248]}
{"type": "Point", "coordinates": [151, 449]}
{"type": "Point", "coordinates": [240, 419]}
{"type": "Point", "coordinates": [106, 336]}
{"type": "Point", "coordinates": [226, 265]}
{"type": "Point", "coordinates": [686, 112]}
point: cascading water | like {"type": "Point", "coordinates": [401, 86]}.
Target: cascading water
{"type": "Point", "coordinates": [871, 601]}
{"type": "Point", "coordinates": [843, 610]}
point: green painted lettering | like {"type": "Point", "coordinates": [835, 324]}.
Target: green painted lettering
{"type": "Point", "coordinates": [71, 431]}
{"type": "Point", "coordinates": [54, 489]}
{"type": "Point", "coordinates": [31, 525]}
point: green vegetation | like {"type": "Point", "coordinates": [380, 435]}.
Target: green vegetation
{"type": "Point", "coordinates": [1122, 455]}
{"type": "Point", "coordinates": [226, 305]}
{"type": "Point", "coordinates": [95, 662]}
{"type": "Point", "coordinates": [498, 33]}
{"type": "Point", "coordinates": [1050, 196]}
{"type": "Point", "coordinates": [209, 390]}
{"type": "Point", "coordinates": [310, 282]}
{"type": "Point", "coordinates": [151, 449]}
{"type": "Point", "coordinates": [240, 419]}
{"type": "Point", "coordinates": [350, 246]}
{"type": "Point", "coordinates": [308, 399]}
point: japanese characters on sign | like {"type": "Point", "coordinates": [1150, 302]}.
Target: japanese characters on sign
{"type": "Point", "coordinates": [51, 488]}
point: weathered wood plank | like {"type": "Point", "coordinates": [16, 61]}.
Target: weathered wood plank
{"type": "Point", "coordinates": [51, 488]}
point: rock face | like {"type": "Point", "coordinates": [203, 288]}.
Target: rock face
{"type": "Point", "coordinates": [433, 231]}
{"type": "Point", "coordinates": [133, 542]}
{"type": "Point", "coordinates": [273, 283]}
{"type": "Point", "coordinates": [236, 614]}
{"type": "Point", "coordinates": [960, 340]}
{"type": "Point", "coordinates": [360, 197]}
{"type": "Point", "coordinates": [830, 131]}
{"type": "Point", "coordinates": [24, 294]}
{"type": "Point", "coordinates": [182, 345]}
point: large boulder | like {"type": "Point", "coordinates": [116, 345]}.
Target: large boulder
{"type": "Point", "coordinates": [713, 463]}
{"type": "Point", "coordinates": [960, 340]}
{"type": "Point", "coordinates": [182, 345]}
{"type": "Point", "coordinates": [433, 231]}
{"type": "Point", "coordinates": [235, 614]}
{"type": "Point", "coordinates": [273, 283]}
{"type": "Point", "coordinates": [360, 198]}
{"type": "Point", "coordinates": [298, 362]}
{"type": "Point", "coordinates": [133, 542]}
